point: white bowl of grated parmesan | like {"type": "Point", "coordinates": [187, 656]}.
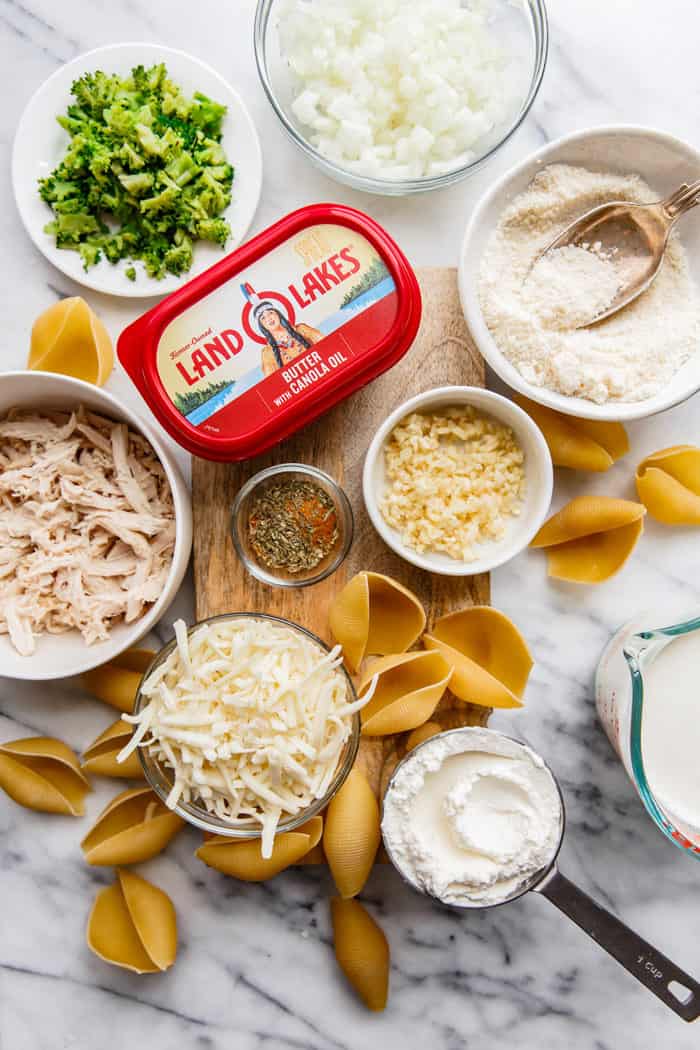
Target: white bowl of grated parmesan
{"type": "Point", "coordinates": [246, 725]}
{"type": "Point", "coordinates": [641, 361]}
{"type": "Point", "coordinates": [457, 480]}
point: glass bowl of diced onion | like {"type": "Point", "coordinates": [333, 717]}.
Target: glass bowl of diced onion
{"type": "Point", "coordinates": [413, 98]}
{"type": "Point", "coordinates": [159, 774]}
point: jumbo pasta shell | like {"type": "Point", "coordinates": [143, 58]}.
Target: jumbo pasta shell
{"type": "Point", "coordinates": [133, 925]}
{"type": "Point", "coordinates": [69, 338]}
{"type": "Point", "coordinates": [351, 834]}
{"type": "Point", "coordinates": [349, 619]}
{"type": "Point", "coordinates": [100, 758]}
{"type": "Point", "coordinates": [134, 827]}
{"type": "Point", "coordinates": [422, 733]}
{"type": "Point", "coordinates": [244, 859]}
{"type": "Point", "coordinates": [489, 657]}
{"type": "Point", "coordinates": [409, 688]}
{"type": "Point", "coordinates": [591, 538]}
{"type": "Point", "coordinates": [117, 682]}
{"type": "Point", "coordinates": [375, 615]}
{"type": "Point", "coordinates": [43, 773]}
{"type": "Point", "coordinates": [314, 857]}
{"type": "Point", "coordinates": [362, 951]}
{"type": "Point", "coordinates": [580, 444]}
{"type": "Point", "coordinates": [668, 484]}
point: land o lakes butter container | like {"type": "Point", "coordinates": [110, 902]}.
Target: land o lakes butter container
{"type": "Point", "coordinates": [275, 334]}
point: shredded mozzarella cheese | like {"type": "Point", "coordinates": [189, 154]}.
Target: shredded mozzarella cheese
{"type": "Point", "coordinates": [251, 716]}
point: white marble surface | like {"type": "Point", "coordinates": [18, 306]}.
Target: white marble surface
{"type": "Point", "coordinates": [255, 968]}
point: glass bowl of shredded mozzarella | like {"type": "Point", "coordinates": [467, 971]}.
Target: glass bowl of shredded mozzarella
{"type": "Point", "coordinates": [246, 725]}
{"type": "Point", "coordinates": [394, 97]}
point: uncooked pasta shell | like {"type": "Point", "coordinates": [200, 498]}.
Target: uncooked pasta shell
{"type": "Point", "coordinates": [117, 682]}
{"type": "Point", "coordinates": [314, 857]}
{"type": "Point", "coordinates": [43, 773]}
{"type": "Point", "coordinates": [668, 484]}
{"type": "Point", "coordinates": [362, 951]}
{"type": "Point", "coordinates": [580, 444]}
{"type": "Point", "coordinates": [100, 758]}
{"type": "Point", "coordinates": [134, 827]}
{"type": "Point", "coordinates": [133, 925]}
{"type": "Point", "coordinates": [349, 619]}
{"type": "Point", "coordinates": [375, 615]}
{"type": "Point", "coordinates": [489, 657]}
{"type": "Point", "coordinates": [409, 688]}
{"type": "Point", "coordinates": [591, 538]}
{"type": "Point", "coordinates": [424, 732]}
{"type": "Point", "coordinates": [351, 834]}
{"type": "Point", "coordinates": [244, 859]}
{"type": "Point", "coordinates": [70, 339]}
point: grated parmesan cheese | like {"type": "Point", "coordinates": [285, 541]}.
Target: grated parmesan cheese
{"type": "Point", "coordinates": [454, 479]}
{"type": "Point", "coordinates": [251, 716]}
{"type": "Point", "coordinates": [532, 314]}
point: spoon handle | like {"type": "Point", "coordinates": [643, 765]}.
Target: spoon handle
{"type": "Point", "coordinates": [672, 985]}
{"type": "Point", "coordinates": [685, 198]}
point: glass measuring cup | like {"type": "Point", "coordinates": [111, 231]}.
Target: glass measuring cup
{"type": "Point", "coordinates": [620, 699]}
{"type": "Point", "coordinates": [677, 989]}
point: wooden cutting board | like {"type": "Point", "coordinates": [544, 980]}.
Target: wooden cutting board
{"type": "Point", "coordinates": [442, 354]}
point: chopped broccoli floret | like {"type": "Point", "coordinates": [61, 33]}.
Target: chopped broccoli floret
{"type": "Point", "coordinates": [90, 254]}
{"type": "Point", "coordinates": [138, 183]}
{"type": "Point", "coordinates": [213, 230]}
{"type": "Point", "coordinates": [148, 159]}
{"type": "Point", "coordinates": [130, 272]}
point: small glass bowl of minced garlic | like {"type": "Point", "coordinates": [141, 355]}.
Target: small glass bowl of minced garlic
{"type": "Point", "coordinates": [291, 525]}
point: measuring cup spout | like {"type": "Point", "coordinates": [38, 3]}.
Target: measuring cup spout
{"type": "Point", "coordinates": [643, 646]}
{"type": "Point", "coordinates": [677, 989]}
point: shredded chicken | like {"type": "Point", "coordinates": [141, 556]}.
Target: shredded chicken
{"type": "Point", "coordinates": [87, 525]}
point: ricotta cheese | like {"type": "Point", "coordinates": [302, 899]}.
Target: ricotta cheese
{"type": "Point", "coordinates": [471, 816]}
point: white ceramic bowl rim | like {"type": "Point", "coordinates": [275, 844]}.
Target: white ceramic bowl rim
{"type": "Point", "coordinates": [74, 391]}
{"type": "Point", "coordinates": [468, 290]}
{"type": "Point", "coordinates": [492, 404]}
{"type": "Point", "coordinates": [106, 280]}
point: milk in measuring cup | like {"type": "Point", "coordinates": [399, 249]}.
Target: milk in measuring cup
{"type": "Point", "coordinates": [648, 699]}
{"type": "Point", "coordinates": [671, 727]}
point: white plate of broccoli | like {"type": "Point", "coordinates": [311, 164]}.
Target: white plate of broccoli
{"type": "Point", "coordinates": [136, 167]}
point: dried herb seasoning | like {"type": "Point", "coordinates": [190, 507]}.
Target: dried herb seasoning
{"type": "Point", "coordinates": [292, 525]}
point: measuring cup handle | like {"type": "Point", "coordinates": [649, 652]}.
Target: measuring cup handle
{"type": "Point", "coordinates": [672, 985]}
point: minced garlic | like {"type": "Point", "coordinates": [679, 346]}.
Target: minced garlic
{"type": "Point", "coordinates": [453, 479]}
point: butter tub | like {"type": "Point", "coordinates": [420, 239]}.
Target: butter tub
{"type": "Point", "coordinates": [274, 335]}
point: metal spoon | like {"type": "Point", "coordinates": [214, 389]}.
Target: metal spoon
{"type": "Point", "coordinates": [677, 989]}
{"type": "Point", "coordinates": [636, 236]}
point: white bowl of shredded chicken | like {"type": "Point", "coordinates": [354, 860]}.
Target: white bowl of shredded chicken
{"type": "Point", "coordinates": [95, 526]}
{"type": "Point", "coordinates": [246, 725]}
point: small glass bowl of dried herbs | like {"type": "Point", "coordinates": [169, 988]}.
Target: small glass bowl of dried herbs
{"type": "Point", "coordinates": [291, 525]}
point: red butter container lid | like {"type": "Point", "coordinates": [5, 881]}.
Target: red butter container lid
{"type": "Point", "coordinates": [276, 333]}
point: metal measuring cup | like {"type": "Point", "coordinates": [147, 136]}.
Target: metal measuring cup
{"type": "Point", "coordinates": [677, 989]}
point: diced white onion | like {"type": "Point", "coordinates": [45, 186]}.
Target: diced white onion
{"type": "Point", "coordinates": [396, 89]}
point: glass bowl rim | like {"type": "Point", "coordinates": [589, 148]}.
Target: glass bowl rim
{"type": "Point", "coordinates": [196, 815]}
{"type": "Point", "coordinates": [341, 499]}
{"type": "Point", "coordinates": [540, 25]}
